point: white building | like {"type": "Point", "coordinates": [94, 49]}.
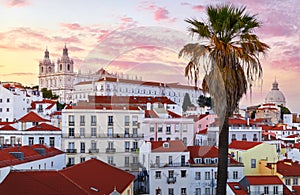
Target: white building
{"type": "Point", "coordinates": [31, 129]}
{"type": "Point", "coordinates": [34, 157]}
{"type": "Point", "coordinates": [59, 78]}
{"type": "Point", "coordinates": [15, 101]}
{"type": "Point", "coordinates": [292, 120]}
{"type": "Point", "coordinates": [239, 129]}
{"type": "Point", "coordinates": [160, 124]}
{"type": "Point", "coordinates": [176, 169]}
{"type": "Point", "coordinates": [104, 131]}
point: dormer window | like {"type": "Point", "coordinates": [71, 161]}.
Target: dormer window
{"type": "Point", "coordinates": [166, 145]}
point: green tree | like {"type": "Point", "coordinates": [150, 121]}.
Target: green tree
{"type": "Point", "coordinates": [48, 94]}
{"type": "Point", "coordinates": [231, 52]}
{"type": "Point", "coordinates": [186, 102]}
{"type": "Point", "coordinates": [204, 101]}
{"type": "Point", "coordinates": [283, 110]}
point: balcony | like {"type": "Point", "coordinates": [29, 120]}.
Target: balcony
{"type": "Point", "coordinates": [171, 180]}
{"type": "Point", "coordinates": [71, 123]}
{"type": "Point", "coordinates": [110, 150]}
{"type": "Point", "coordinates": [82, 123]}
{"type": "Point", "coordinates": [93, 150]}
{"type": "Point", "coordinates": [93, 123]}
{"type": "Point", "coordinates": [134, 149]}
{"type": "Point", "coordinates": [126, 123]}
{"type": "Point", "coordinates": [110, 124]}
{"type": "Point", "coordinates": [71, 151]}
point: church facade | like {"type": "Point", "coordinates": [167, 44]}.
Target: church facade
{"type": "Point", "coordinates": [58, 77]}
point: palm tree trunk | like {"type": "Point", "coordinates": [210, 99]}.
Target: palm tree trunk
{"type": "Point", "coordinates": [223, 157]}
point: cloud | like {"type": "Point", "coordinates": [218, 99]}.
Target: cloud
{"type": "Point", "coordinates": [70, 39]}
{"type": "Point", "coordinates": [159, 13]}
{"type": "Point", "coordinates": [72, 26]}
{"type": "Point", "coordinates": [19, 74]}
{"type": "Point", "coordinates": [198, 7]}
{"type": "Point", "coordinates": [16, 3]}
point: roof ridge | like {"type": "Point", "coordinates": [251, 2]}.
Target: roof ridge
{"type": "Point", "coordinates": [73, 182]}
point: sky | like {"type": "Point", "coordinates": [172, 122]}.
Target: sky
{"type": "Point", "coordinates": [140, 39]}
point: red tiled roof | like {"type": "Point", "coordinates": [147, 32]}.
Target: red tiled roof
{"type": "Point", "coordinates": [174, 146]}
{"type": "Point", "coordinates": [287, 168]}
{"type": "Point", "coordinates": [296, 189]}
{"type": "Point", "coordinates": [8, 127]}
{"type": "Point", "coordinates": [6, 123]}
{"type": "Point", "coordinates": [201, 116]}
{"type": "Point", "coordinates": [293, 136]}
{"type": "Point", "coordinates": [203, 132]}
{"type": "Point", "coordinates": [44, 127]}
{"type": "Point", "coordinates": [237, 188]}
{"type": "Point", "coordinates": [44, 101]}
{"type": "Point", "coordinates": [150, 114]}
{"type": "Point", "coordinates": [206, 152]}
{"type": "Point", "coordinates": [99, 175]}
{"type": "Point", "coordinates": [6, 159]}
{"type": "Point", "coordinates": [39, 182]}
{"type": "Point", "coordinates": [173, 114]}
{"type": "Point", "coordinates": [129, 100]}
{"type": "Point", "coordinates": [32, 117]}
{"type": "Point", "coordinates": [243, 145]}
{"type": "Point", "coordinates": [264, 180]}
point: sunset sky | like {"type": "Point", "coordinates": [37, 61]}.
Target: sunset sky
{"type": "Point", "coordinates": [139, 38]}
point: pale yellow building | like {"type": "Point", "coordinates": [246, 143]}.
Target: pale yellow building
{"type": "Point", "coordinates": [251, 154]}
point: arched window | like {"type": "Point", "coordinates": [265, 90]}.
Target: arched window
{"type": "Point", "coordinates": [42, 69]}
{"type": "Point", "coordinates": [60, 67]}
{"type": "Point", "coordinates": [68, 67]}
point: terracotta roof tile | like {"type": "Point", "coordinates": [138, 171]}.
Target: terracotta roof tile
{"type": "Point", "coordinates": [243, 145]}
{"type": "Point", "coordinates": [32, 117]}
{"type": "Point", "coordinates": [38, 182]}
{"type": "Point", "coordinates": [44, 127]}
{"type": "Point", "coordinates": [237, 188]}
{"type": "Point", "coordinates": [264, 180]}
{"type": "Point", "coordinates": [99, 175]}
{"type": "Point", "coordinates": [287, 168]}
{"type": "Point", "coordinates": [8, 127]}
{"type": "Point", "coordinates": [174, 146]}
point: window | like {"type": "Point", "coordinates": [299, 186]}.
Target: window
{"type": "Point", "coordinates": [110, 145]}
{"type": "Point", "coordinates": [255, 137]}
{"type": "Point", "coordinates": [0, 100]}
{"type": "Point", "coordinates": [183, 173]}
{"type": "Point", "coordinates": [41, 140]}
{"type": "Point", "coordinates": [93, 120]}
{"type": "Point", "coordinates": [233, 137]}
{"type": "Point", "coordinates": [168, 129]}
{"type": "Point", "coordinates": [177, 128]}
{"type": "Point", "coordinates": [82, 120]}
{"type": "Point", "coordinates": [126, 120]}
{"type": "Point", "coordinates": [52, 141]}
{"type": "Point", "coordinates": [126, 133]}
{"type": "Point", "coordinates": [135, 145]}
{"type": "Point", "coordinates": [275, 189]}
{"type": "Point", "coordinates": [198, 176]}
{"type": "Point", "coordinates": [110, 121]}
{"type": "Point", "coordinates": [82, 147]}
{"type": "Point", "coordinates": [253, 163]}
{"type": "Point", "coordinates": [110, 160]}
{"type": "Point", "coordinates": [126, 161]}
{"type": "Point", "coordinates": [184, 127]}
{"type": "Point", "coordinates": [1, 140]}
{"type": "Point", "coordinates": [71, 132]}
{"type": "Point", "coordinates": [134, 120]}
{"type": "Point", "coordinates": [198, 191]}
{"type": "Point", "coordinates": [52, 164]}
{"type": "Point", "coordinates": [170, 160]}
{"type": "Point", "coordinates": [207, 175]}
{"type": "Point", "coordinates": [183, 191]}
{"type": "Point", "coordinates": [207, 191]}
{"type": "Point", "coordinates": [82, 131]}
{"type": "Point", "coordinates": [8, 100]}
{"type": "Point", "coordinates": [157, 160]}
{"type": "Point", "coordinates": [127, 146]}
{"type": "Point", "coordinates": [171, 174]}
{"type": "Point", "coordinates": [0, 109]}
{"type": "Point", "coordinates": [244, 137]}
{"type": "Point", "coordinates": [71, 120]}
{"type": "Point", "coordinates": [30, 141]}
{"type": "Point", "coordinates": [287, 181]}
{"type": "Point", "coordinates": [157, 174]}
{"type": "Point", "coordinates": [109, 131]}
{"type": "Point", "coordinates": [134, 132]}
{"type": "Point", "coordinates": [295, 181]}
{"type": "Point", "coordinates": [93, 132]}
{"type": "Point", "coordinates": [170, 191]}
{"type": "Point", "coordinates": [184, 140]}
{"type": "Point", "coordinates": [7, 109]}
{"type": "Point", "coordinates": [82, 159]}
{"type": "Point", "coordinates": [93, 145]}
{"type": "Point", "coordinates": [266, 190]}
{"type": "Point", "coordinates": [235, 175]}
{"type": "Point", "coordinates": [71, 161]}
{"type": "Point", "coordinates": [151, 128]}
{"type": "Point", "coordinates": [159, 128]}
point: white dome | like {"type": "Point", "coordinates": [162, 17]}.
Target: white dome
{"type": "Point", "coordinates": [275, 96]}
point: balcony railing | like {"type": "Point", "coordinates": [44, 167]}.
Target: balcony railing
{"type": "Point", "coordinates": [103, 135]}
{"type": "Point", "coordinates": [71, 151]}
{"type": "Point", "coordinates": [93, 150]}
{"type": "Point", "coordinates": [155, 165]}
{"type": "Point", "coordinates": [110, 150]}
{"type": "Point", "coordinates": [71, 123]}
{"type": "Point", "coordinates": [134, 149]}
{"type": "Point", "coordinates": [93, 123]}
{"type": "Point", "coordinates": [110, 123]}
{"type": "Point", "coordinates": [171, 180]}
{"type": "Point", "coordinates": [82, 123]}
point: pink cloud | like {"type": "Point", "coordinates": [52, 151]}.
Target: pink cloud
{"type": "Point", "coordinates": [126, 19]}
{"type": "Point", "coordinates": [198, 7]}
{"type": "Point", "coordinates": [16, 3]}
{"type": "Point", "coordinates": [289, 64]}
{"type": "Point", "coordinates": [70, 39]}
{"type": "Point", "coordinates": [72, 26]}
{"type": "Point", "coordinates": [161, 14]}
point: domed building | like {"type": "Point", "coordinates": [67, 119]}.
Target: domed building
{"type": "Point", "coordinates": [275, 96]}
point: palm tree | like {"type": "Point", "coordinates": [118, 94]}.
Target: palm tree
{"type": "Point", "coordinates": [228, 51]}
